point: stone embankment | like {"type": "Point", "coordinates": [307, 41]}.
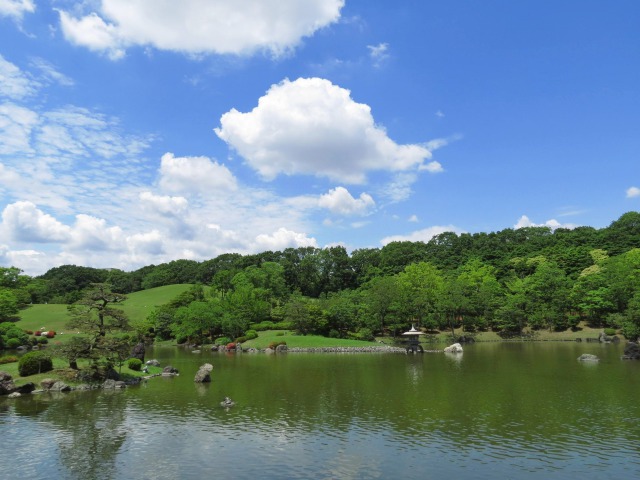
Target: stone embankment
{"type": "Point", "coordinates": [372, 349]}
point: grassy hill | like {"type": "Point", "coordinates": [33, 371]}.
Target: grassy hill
{"type": "Point", "coordinates": [137, 306]}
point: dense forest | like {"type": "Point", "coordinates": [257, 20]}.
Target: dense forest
{"type": "Point", "coordinates": [534, 278]}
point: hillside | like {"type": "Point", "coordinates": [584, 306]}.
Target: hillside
{"type": "Point", "coordinates": [137, 306]}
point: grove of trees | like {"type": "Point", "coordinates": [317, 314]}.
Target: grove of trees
{"type": "Point", "coordinates": [533, 277]}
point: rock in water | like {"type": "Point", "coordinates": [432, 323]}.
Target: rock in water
{"type": "Point", "coordinates": [227, 403]}
{"type": "Point", "coordinates": [588, 357]}
{"type": "Point", "coordinates": [203, 374]}
{"type": "Point", "coordinates": [631, 351]}
{"type": "Point", "coordinates": [455, 348]}
{"type": "Point", "coordinates": [138, 352]}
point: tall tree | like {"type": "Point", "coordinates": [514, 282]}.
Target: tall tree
{"type": "Point", "coordinates": [95, 316]}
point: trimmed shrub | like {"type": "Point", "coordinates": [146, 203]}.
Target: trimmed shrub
{"type": "Point", "coordinates": [13, 343]}
{"type": "Point", "coordinates": [273, 345]}
{"type": "Point", "coordinates": [134, 364]}
{"type": "Point", "coordinates": [37, 333]}
{"type": "Point", "coordinates": [29, 332]}
{"type": "Point", "coordinates": [43, 341]}
{"type": "Point", "coordinates": [279, 334]}
{"type": "Point", "coordinates": [50, 334]}
{"type": "Point", "coordinates": [222, 341]}
{"type": "Point", "coordinates": [262, 326]}
{"type": "Point", "coordinates": [34, 362]}
{"type": "Point", "coordinates": [231, 346]}
{"type": "Point", "coordinates": [610, 332]}
{"type": "Point", "coordinates": [8, 359]}
{"type": "Point", "coordinates": [251, 334]}
{"type": "Point", "coordinates": [241, 339]}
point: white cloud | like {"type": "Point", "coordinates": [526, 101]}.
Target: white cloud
{"type": "Point", "coordinates": [423, 235]}
{"type": "Point", "coordinates": [413, 218]}
{"type": "Point", "coordinates": [91, 233]}
{"type": "Point", "coordinates": [194, 175]}
{"type": "Point", "coordinates": [312, 127]}
{"type": "Point", "coordinates": [16, 8]}
{"type": "Point", "coordinates": [51, 73]}
{"type": "Point", "coordinates": [340, 201]}
{"type": "Point", "coordinates": [282, 239]}
{"type": "Point", "coordinates": [16, 126]}
{"type": "Point", "coordinates": [379, 53]}
{"type": "Point", "coordinates": [199, 26]}
{"type": "Point", "coordinates": [14, 83]}
{"type": "Point", "coordinates": [164, 204]}
{"type": "Point", "coordinates": [524, 221]}
{"type": "Point", "coordinates": [23, 221]}
{"type": "Point", "coordinates": [432, 167]}
{"type": "Point", "coordinates": [633, 192]}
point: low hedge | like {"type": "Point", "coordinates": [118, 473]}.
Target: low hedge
{"type": "Point", "coordinates": [34, 362]}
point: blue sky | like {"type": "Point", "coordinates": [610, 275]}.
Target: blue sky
{"type": "Point", "coordinates": [139, 132]}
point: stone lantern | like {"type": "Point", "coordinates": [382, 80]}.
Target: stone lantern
{"type": "Point", "coordinates": [413, 343]}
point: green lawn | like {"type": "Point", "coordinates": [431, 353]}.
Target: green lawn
{"type": "Point", "coordinates": [302, 341]}
{"type": "Point", "coordinates": [54, 316]}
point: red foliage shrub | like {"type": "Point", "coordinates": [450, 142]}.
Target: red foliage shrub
{"type": "Point", "coordinates": [37, 333]}
{"type": "Point", "coordinates": [231, 346]}
{"type": "Point", "coordinates": [50, 334]}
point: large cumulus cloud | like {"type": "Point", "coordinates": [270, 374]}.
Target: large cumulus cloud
{"type": "Point", "coordinates": [312, 127]}
{"type": "Point", "coordinates": [199, 26]}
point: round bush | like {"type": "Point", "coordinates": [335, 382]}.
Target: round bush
{"type": "Point", "coordinates": [34, 362]}
{"type": "Point", "coordinates": [134, 364]}
{"type": "Point", "coordinates": [43, 341]}
{"type": "Point", "coordinates": [610, 332]}
{"type": "Point", "coordinates": [251, 334]}
{"type": "Point", "coordinates": [222, 341]}
{"type": "Point", "coordinates": [13, 343]}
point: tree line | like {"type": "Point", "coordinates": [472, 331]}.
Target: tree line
{"type": "Point", "coordinates": [531, 277]}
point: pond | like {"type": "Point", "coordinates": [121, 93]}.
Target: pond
{"type": "Point", "coordinates": [499, 410]}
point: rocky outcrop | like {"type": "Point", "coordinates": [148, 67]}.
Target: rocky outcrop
{"type": "Point", "coordinates": [8, 387]}
{"type": "Point", "coordinates": [604, 338]}
{"type": "Point", "coordinates": [112, 384]}
{"type": "Point", "coordinates": [60, 387]}
{"type": "Point", "coordinates": [153, 363]}
{"type": "Point", "coordinates": [138, 352]}
{"type": "Point", "coordinates": [281, 349]}
{"type": "Point", "coordinates": [169, 371]}
{"type": "Point", "coordinates": [47, 383]}
{"type": "Point", "coordinates": [631, 351]}
{"type": "Point", "coordinates": [455, 348]}
{"type": "Point", "coordinates": [588, 357]}
{"type": "Point", "coordinates": [203, 375]}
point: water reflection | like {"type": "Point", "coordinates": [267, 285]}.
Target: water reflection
{"type": "Point", "coordinates": [504, 411]}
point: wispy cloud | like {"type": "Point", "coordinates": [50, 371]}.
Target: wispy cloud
{"type": "Point", "coordinates": [633, 192]}
{"type": "Point", "coordinates": [379, 54]}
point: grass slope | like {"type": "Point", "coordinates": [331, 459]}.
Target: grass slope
{"type": "Point", "coordinates": [301, 341]}
{"type": "Point", "coordinates": [137, 306]}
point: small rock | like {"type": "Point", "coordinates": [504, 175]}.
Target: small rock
{"type": "Point", "coordinates": [204, 373]}
{"type": "Point", "coordinates": [169, 370]}
{"type": "Point", "coordinates": [281, 349]}
{"type": "Point", "coordinates": [47, 383]}
{"type": "Point", "coordinates": [153, 363]}
{"type": "Point", "coordinates": [60, 387]}
{"type": "Point", "coordinates": [588, 357]}
{"type": "Point", "coordinates": [14, 395]}
{"type": "Point", "coordinates": [455, 348]}
{"type": "Point", "coordinates": [631, 351]}
{"type": "Point", "coordinates": [227, 403]}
